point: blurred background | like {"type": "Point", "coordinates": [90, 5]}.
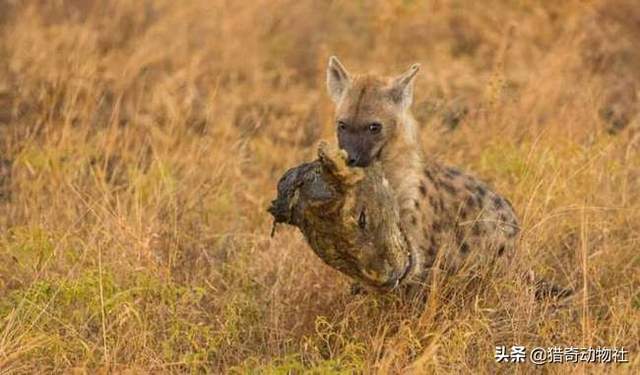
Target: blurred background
{"type": "Point", "coordinates": [141, 142]}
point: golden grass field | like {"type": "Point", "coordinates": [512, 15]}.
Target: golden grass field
{"type": "Point", "coordinates": [141, 143]}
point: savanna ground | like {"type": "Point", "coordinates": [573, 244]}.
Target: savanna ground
{"type": "Point", "coordinates": [141, 142]}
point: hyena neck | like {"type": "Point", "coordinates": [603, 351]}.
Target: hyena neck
{"type": "Point", "coordinates": [403, 162]}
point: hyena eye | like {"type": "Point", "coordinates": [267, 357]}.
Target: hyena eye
{"type": "Point", "coordinates": [342, 125]}
{"type": "Point", "coordinates": [375, 127]}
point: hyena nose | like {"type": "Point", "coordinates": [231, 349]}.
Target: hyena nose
{"type": "Point", "coordinates": [352, 160]}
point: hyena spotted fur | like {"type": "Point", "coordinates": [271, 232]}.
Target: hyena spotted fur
{"type": "Point", "coordinates": [446, 214]}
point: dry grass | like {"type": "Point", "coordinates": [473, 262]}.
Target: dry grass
{"type": "Point", "coordinates": [140, 143]}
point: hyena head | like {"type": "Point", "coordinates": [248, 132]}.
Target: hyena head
{"type": "Point", "coordinates": [371, 111]}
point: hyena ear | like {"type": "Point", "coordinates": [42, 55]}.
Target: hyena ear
{"type": "Point", "coordinates": [338, 79]}
{"type": "Point", "coordinates": [402, 86]}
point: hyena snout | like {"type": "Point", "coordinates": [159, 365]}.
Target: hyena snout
{"type": "Point", "coordinates": [358, 157]}
{"type": "Point", "coordinates": [359, 148]}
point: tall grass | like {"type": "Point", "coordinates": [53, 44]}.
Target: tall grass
{"type": "Point", "coordinates": [140, 143]}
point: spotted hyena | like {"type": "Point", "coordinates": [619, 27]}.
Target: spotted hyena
{"type": "Point", "coordinates": [447, 215]}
